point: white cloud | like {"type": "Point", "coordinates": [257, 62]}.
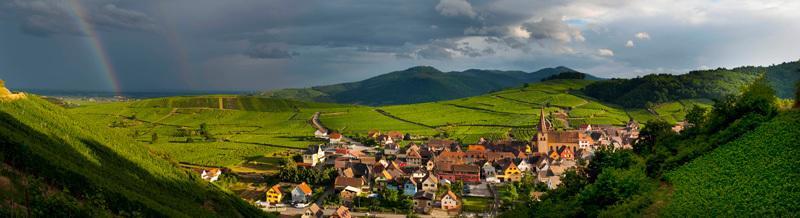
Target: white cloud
{"type": "Point", "coordinates": [550, 28]}
{"type": "Point", "coordinates": [453, 8]}
{"type": "Point", "coordinates": [605, 52]}
{"type": "Point", "coordinates": [629, 44]}
{"type": "Point", "coordinates": [643, 35]}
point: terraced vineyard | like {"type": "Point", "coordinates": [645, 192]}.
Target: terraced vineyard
{"type": "Point", "coordinates": [497, 114]}
{"type": "Point", "coordinates": [248, 128]}
{"type": "Point", "coordinates": [757, 173]}
{"type": "Point", "coordinates": [92, 170]}
{"type": "Point", "coordinates": [256, 128]}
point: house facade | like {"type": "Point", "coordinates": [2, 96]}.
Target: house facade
{"type": "Point", "coordinates": [301, 193]}
{"type": "Point", "coordinates": [274, 194]}
{"type": "Point", "coordinates": [449, 201]}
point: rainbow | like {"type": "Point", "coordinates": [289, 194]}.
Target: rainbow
{"type": "Point", "coordinates": [93, 41]}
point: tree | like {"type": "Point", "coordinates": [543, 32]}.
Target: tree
{"type": "Point", "coordinates": [652, 132]}
{"type": "Point", "coordinates": [205, 132]}
{"type": "Point", "coordinates": [758, 97]}
{"type": "Point", "coordinates": [697, 117]}
{"type": "Point", "coordinates": [154, 138]}
{"type": "Point", "coordinates": [797, 95]}
{"type": "Point", "coordinates": [510, 194]}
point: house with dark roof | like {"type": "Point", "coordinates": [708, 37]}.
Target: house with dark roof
{"type": "Point", "coordinates": [342, 182]}
{"type": "Point", "coordinates": [423, 201]}
{"type": "Point", "coordinates": [313, 211]}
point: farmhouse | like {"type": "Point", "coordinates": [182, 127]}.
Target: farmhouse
{"type": "Point", "coordinates": [211, 174]}
{"type": "Point", "coordinates": [423, 201]}
{"type": "Point", "coordinates": [301, 193]}
{"type": "Point", "coordinates": [321, 133]}
{"type": "Point", "coordinates": [313, 211]}
{"type": "Point", "coordinates": [274, 194]}
{"type": "Point", "coordinates": [313, 155]}
{"type": "Point", "coordinates": [449, 201]}
{"type": "Point", "coordinates": [335, 138]}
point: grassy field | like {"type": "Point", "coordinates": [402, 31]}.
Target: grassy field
{"type": "Point", "coordinates": [248, 128]}
{"type": "Point", "coordinates": [93, 170]}
{"type": "Point", "coordinates": [497, 114]}
{"type": "Point", "coordinates": [245, 129]}
{"type": "Point", "coordinates": [475, 204]}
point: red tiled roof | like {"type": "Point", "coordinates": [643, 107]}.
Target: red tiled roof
{"type": "Point", "coordinates": [305, 188]}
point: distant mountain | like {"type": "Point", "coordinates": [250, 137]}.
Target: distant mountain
{"type": "Point", "coordinates": [709, 84]}
{"type": "Point", "coordinates": [418, 84]}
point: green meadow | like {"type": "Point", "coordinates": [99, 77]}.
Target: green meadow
{"type": "Point", "coordinates": [247, 130]}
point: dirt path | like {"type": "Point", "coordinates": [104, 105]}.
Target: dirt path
{"type": "Point", "coordinates": [387, 114]}
{"type": "Point", "coordinates": [172, 112]}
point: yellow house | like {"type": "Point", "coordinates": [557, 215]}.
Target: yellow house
{"type": "Point", "coordinates": [511, 173]}
{"type": "Point", "coordinates": [274, 194]}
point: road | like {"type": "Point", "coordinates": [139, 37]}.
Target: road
{"type": "Point", "coordinates": [317, 124]}
{"type": "Point", "coordinates": [496, 204]}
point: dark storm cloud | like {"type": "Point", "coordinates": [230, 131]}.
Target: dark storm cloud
{"type": "Point", "coordinates": [246, 44]}
{"type": "Point", "coordinates": [269, 52]}
{"type": "Point", "coordinates": [48, 17]}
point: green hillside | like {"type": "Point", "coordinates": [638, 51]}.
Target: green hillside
{"type": "Point", "coordinates": [56, 164]}
{"type": "Point", "coordinates": [246, 129]}
{"type": "Point", "coordinates": [418, 84]}
{"type": "Point", "coordinates": [498, 114]}
{"type": "Point", "coordinates": [247, 132]}
{"type": "Point", "coordinates": [708, 84]}
{"type": "Point", "coordinates": [756, 173]}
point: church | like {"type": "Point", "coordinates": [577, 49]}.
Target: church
{"type": "Point", "coordinates": [548, 140]}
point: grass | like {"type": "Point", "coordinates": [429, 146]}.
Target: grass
{"type": "Point", "coordinates": [260, 128]}
{"type": "Point", "coordinates": [475, 204]}
{"type": "Point", "coordinates": [249, 125]}
{"type": "Point", "coordinates": [103, 164]}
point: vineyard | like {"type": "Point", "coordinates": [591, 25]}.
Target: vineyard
{"type": "Point", "coordinates": [757, 173]}
{"type": "Point", "coordinates": [244, 128]}
{"type": "Point", "coordinates": [118, 175]}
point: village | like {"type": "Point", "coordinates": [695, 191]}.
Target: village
{"type": "Point", "coordinates": [435, 177]}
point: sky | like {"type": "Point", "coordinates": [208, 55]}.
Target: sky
{"type": "Point", "coordinates": [246, 45]}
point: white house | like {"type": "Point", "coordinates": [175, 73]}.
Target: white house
{"type": "Point", "coordinates": [388, 140]}
{"type": "Point", "coordinates": [449, 201]}
{"type": "Point", "coordinates": [524, 166]}
{"type": "Point", "coordinates": [320, 133]}
{"type": "Point", "coordinates": [211, 175]}
{"type": "Point", "coordinates": [313, 155]}
{"type": "Point", "coordinates": [419, 173]}
{"type": "Point", "coordinates": [301, 193]}
{"type": "Point", "coordinates": [489, 172]}
{"type": "Point", "coordinates": [430, 183]}
{"type": "Point", "coordinates": [335, 138]}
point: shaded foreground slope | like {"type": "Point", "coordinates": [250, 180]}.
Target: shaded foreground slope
{"type": "Point", "coordinates": [95, 171]}
{"type": "Point", "coordinates": [757, 174]}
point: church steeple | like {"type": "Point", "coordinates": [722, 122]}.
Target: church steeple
{"type": "Point", "coordinates": [543, 125]}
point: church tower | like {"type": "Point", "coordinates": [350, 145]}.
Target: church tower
{"type": "Point", "coordinates": [541, 134]}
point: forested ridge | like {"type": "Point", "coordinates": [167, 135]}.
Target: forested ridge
{"type": "Point", "coordinates": [709, 84]}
